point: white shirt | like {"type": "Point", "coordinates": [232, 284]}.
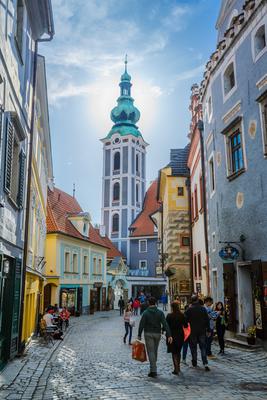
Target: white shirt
{"type": "Point", "coordinates": [48, 319]}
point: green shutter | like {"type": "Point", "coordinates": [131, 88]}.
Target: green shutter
{"type": "Point", "coordinates": [22, 159]}
{"type": "Point", "coordinates": [9, 155]}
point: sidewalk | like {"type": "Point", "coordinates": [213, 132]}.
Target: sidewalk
{"type": "Point", "coordinates": [25, 371]}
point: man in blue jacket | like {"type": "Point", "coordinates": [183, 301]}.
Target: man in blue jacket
{"type": "Point", "coordinates": [152, 323]}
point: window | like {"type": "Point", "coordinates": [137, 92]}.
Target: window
{"type": "Point", "coordinates": [142, 246]}
{"type": "Point", "coordinates": [125, 92]}
{"type": "Point", "coordinates": [143, 264]}
{"type": "Point", "coordinates": [75, 262]}
{"type": "Point", "coordinates": [94, 265]}
{"type": "Point", "coordinates": [117, 161]}
{"type": "Point", "coordinates": [215, 284]}
{"type": "Point", "coordinates": [14, 165]}
{"type": "Point", "coordinates": [67, 262]}
{"type": "Point", "coordinates": [137, 193]}
{"type": "Point", "coordinates": [116, 192]}
{"type": "Point", "coordinates": [234, 146]}
{"type": "Point", "coordinates": [196, 203]}
{"type": "Point", "coordinates": [115, 223]}
{"type": "Point", "coordinates": [85, 265]}
{"type": "Point", "coordinates": [263, 106]}
{"type": "Point", "coordinates": [212, 175]}
{"type": "Point", "coordinates": [199, 266]}
{"type": "Point", "coordinates": [259, 40]}
{"type": "Point", "coordinates": [185, 241]}
{"type": "Point", "coordinates": [99, 269]}
{"type": "Point", "coordinates": [201, 192]}
{"type": "Point", "coordinates": [19, 26]}
{"type": "Point", "coordinates": [180, 191]}
{"type": "Point", "coordinates": [229, 79]}
{"type": "Point", "coordinates": [195, 266]}
{"type": "Point", "coordinates": [85, 229]}
{"type": "Point", "coordinates": [137, 166]}
{"type": "Point", "coordinates": [192, 208]}
{"type": "Point", "coordinates": [213, 241]}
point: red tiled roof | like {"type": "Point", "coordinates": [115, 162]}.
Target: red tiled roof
{"type": "Point", "coordinates": [60, 206]}
{"type": "Point", "coordinates": [112, 249]}
{"type": "Point", "coordinates": [143, 225]}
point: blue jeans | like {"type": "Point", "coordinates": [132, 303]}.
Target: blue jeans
{"type": "Point", "coordinates": [185, 348]}
{"type": "Point", "coordinates": [128, 330]}
{"type": "Point", "coordinates": [200, 340]}
{"type": "Point", "coordinates": [209, 340]}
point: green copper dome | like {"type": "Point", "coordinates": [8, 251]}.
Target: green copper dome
{"type": "Point", "coordinates": [125, 114]}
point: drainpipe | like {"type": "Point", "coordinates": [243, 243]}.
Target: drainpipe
{"type": "Point", "coordinates": [188, 185]}
{"type": "Point", "coordinates": [201, 128]}
{"type": "Point", "coordinates": [21, 346]}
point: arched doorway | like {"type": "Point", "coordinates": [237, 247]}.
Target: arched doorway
{"type": "Point", "coordinates": [118, 292]}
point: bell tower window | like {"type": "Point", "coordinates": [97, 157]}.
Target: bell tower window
{"type": "Point", "coordinates": [117, 161]}
{"type": "Point", "coordinates": [116, 192]}
{"type": "Point", "coordinates": [115, 223]}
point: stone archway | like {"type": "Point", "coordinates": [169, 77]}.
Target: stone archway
{"type": "Point", "coordinates": [118, 292]}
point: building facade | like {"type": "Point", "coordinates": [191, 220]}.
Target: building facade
{"type": "Point", "coordinates": [234, 97]}
{"type": "Point", "coordinates": [145, 273]}
{"type": "Point", "coordinates": [173, 221]}
{"type": "Point", "coordinates": [195, 162]}
{"type": "Point", "coordinates": [42, 177]}
{"type": "Point", "coordinates": [124, 169]}
{"type": "Point", "coordinates": [76, 257]}
{"type": "Point", "coordinates": [22, 24]}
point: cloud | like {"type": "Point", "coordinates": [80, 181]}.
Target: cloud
{"type": "Point", "coordinates": [176, 21]}
{"type": "Point", "coordinates": [191, 73]}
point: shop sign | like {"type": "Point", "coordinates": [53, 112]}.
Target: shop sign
{"type": "Point", "coordinates": [258, 315]}
{"type": "Point", "coordinates": [229, 253]}
{"type": "Point", "coordinates": [184, 286]}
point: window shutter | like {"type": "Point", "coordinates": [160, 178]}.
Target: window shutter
{"type": "Point", "coordinates": [9, 155]}
{"type": "Point", "coordinates": [22, 160]}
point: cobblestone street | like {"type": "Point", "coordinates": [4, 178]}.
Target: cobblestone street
{"type": "Point", "coordinates": [93, 363]}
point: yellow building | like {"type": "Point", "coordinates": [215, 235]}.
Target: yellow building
{"type": "Point", "coordinates": [41, 178]}
{"type": "Point", "coordinates": [173, 224]}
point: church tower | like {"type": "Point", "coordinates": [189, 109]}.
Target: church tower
{"type": "Point", "coordinates": [124, 169]}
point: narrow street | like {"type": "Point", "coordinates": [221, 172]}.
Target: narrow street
{"type": "Point", "coordinates": [93, 363]}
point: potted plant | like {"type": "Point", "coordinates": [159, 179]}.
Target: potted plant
{"type": "Point", "coordinates": [251, 338]}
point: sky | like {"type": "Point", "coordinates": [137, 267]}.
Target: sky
{"type": "Point", "coordinates": [168, 43]}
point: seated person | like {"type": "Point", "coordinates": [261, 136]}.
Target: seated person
{"type": "Point", "coordinates": [49, 321]}
{"type": "Point", "coordinates": [64, 316]}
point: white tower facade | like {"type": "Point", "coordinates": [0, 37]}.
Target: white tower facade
{"type": "Point", "coordinates": [124, 169]}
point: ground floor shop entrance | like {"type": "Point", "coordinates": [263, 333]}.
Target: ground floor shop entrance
{"type": "Point", "coordinates": [71, 298]}
{"type": "Point", "coordinates": [148, 291]}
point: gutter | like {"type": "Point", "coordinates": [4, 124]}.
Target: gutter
{"type": "Point", "coordinates": [200, 126]}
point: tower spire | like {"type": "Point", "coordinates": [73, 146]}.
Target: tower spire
{"type": "Point", "coordinates": [126, 62]}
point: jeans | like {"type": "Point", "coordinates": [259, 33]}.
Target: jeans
{"type": "Point", "coordinates": [165, 307]}
{"type": "Point", "coordinates": [220, 334]}
{"type": "Point", "coordinates": [152, 344]}
{"type": "Point", "coordinates": [209, 340]}
{"type": "Point", "coordinates": [194, 340]}
{"type": "Point", "coordinates": [135, 311]}
{"type": "Point", "coordinates": [185, 348]}
{"type": "Point", "coordinates": [128, 330]}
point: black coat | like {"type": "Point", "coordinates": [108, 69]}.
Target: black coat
{"type": "Point", "coordinates": [176, 323]}
{"type": "Point", "coordinates": [198, 318]}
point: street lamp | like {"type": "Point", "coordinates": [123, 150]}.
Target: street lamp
{"type": "Point", "coordinates": [6, 266]}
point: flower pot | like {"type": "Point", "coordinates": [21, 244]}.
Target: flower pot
{"type": "Point", "coordinates": [251, 340]}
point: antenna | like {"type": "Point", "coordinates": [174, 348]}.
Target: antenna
{"type": "Point", "coordinates": [74, 190]}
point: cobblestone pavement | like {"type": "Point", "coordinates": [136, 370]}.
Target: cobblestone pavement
{"type": "Point", "coordinates": [93, 363]}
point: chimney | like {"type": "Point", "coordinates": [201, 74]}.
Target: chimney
{"type": "Point", "coordinates": [102, 230]}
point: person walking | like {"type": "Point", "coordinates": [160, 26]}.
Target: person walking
{"type": "Point", "coordinates": [176, 321]}
{"type": "Point", "coordinates": [221, 323]}
{"type": "Point", "coordinates": [164, 300]}
{"type": "Point", "coordinates": [208, 302]}
{"type": "Point", "coordinates": [152, 322]}
{"type": "Point", "coordinates": [128, 313]}
{"type": "Point", "coordinates": [136, 305]}
{"type": "Point", "coordinates": [198, 318]}
{"type": "Point", "coordinates": [121, 305]}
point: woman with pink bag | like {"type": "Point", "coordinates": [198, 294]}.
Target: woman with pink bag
{"type": "Point", "coordinates": [178, 326]}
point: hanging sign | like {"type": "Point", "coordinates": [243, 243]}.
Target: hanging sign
{"type": "Point", "coordinates": [229, 253]}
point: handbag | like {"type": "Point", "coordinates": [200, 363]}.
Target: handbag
{"type": "Point", "coordinates": [132, 322]}
{"type": "Point", "coordinates": [187, 332]}
{"type": "Point", "coordinates": [139, 351]}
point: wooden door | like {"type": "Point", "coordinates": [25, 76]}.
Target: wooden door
{"type": "Point", "coordinates": [104, 298]}
{"type": "Point", "coordinates": [79, 300]}
{"type": "Point", "coordinates": [230, 295]}
{"type": "Point", "coordinates": [92, 301]}
{"type": "Point", "coordinates": [47, 296]}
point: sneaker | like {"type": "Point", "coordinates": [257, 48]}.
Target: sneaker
{"type": "Point", "coordinates": [211, 357]}
{"type": "Point", "coordinates": [207, 368]}
{"type": "Point", "coordinates": [175, 373]}
{"type": "Point", "coordinates": [152, 375]}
